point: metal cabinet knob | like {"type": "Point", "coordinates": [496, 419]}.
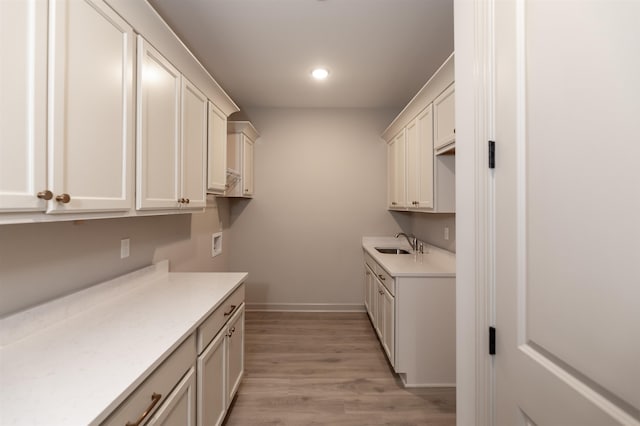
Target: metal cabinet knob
{"type": "Point", "coordinates": [63, 198]}
{"type": "Point", "coordinates": [186, 200]}
{"type": "Point", "coordinates": [45, 195]}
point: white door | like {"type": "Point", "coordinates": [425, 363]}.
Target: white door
{"type": "Point", "coordinates": [194, 146]}
{"type": "Point", "coordinates": [217, 150]}
{"type": "Point", "coordinates": [158, 130]}
{"type": "Point", "coordinates": [567, 185]}
{"type": "Point", "coordinates": [90, 107]}
{"type": "Point", "coordinates": [23, 113]}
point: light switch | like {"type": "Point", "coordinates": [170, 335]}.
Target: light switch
{"type": "Point", "coordinates": [124, 248]}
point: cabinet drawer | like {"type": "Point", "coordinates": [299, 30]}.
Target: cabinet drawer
{"type": "Point", "coordinates": [160, 382]}
{"type": "Point", "coordinates": [214, 323]}
{"type": "Point", "coordinates": [370, 262]}
{"type": "Point", "coordinates": [386, 280]}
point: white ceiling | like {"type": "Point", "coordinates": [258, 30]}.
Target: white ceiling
{"type": "Point", "coordinates": [379, 52]}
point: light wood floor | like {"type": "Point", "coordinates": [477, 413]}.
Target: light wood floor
{"type": "Point", "coordinates": [327, 369]}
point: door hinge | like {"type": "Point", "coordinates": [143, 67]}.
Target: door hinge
{"type": "Point", "coordinates": [492, 155]}
{"type": "Point", "coordinates": [492, 340]}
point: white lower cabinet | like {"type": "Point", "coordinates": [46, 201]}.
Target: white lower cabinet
{"type": "Point", "coordinates": [414, 318]}
{"type": "Point", "coordinates": [180, 407]}
{"type": "Point", "coordinates": [380, 305]}
{"type": "Point", "coordinates": [221, 367]}
{"type": "Point", "coordinates": [196, 384]}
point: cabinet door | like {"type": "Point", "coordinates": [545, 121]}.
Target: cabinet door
{"type": "Point", "coordinates": [91, 107]}
{"type": "Point", "coordinates": [179, 409]}
{"type": "Point", "coordinates": [212, 392]}
{"type": "Point", "coordinates": [235, 349]}
{"type": "Point", "coordinates": [413, 163]}
{"type": "Point", "coordinates": [424, 158]}
{"type": "Point", "coordinates": [367, 292]}
{"type": "Point", "coordinates": [397, 170]}
{"type": "Point", "coordinates": [444, 112]}
{"type": "Point", "coordinates": [158, 130]}
{"type": "Point", "coordinates": [247, 166]}
{"type": "Point", "coordinates": [23, 40]}
{"type": "Point", "coordinates": [379, 306]}
{"type": "Point", "coordinates": [194, 145]}
{"type": "Point", "coordinates": [387, 323]}
{"type": "Point", "coordinates": [217, 150]}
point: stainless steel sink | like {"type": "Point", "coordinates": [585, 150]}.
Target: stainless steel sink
{"type": "Point", "coordinates": [392, 250]}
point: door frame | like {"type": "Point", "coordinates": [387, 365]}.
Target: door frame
{"type": "Point", "coordinates": [475, 259]}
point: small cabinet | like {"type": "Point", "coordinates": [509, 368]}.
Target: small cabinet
{"type": "Point", "coordinates": [240, 159]}
{"type": "Point", "coordinates": [216, 150]}
{"type": "Point", "coordinates": [444, 113]}
{"type": "Point", "coordinates": [171, 135]}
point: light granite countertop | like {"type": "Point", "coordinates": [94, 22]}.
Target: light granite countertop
{"type": "Point", "coordinates": [74, 360]}
{"type": "Point", "coordinates": [435, 262]}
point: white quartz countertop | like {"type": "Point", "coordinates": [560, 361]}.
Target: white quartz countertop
{"type": "Point", "coordinates": [435, 262]}
{"type": "Point", "coordinates": [74, 360]}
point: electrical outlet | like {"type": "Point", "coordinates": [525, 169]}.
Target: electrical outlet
{"type": "Point", "coordinates": [124, 248]}
{"type": "Point", "coordinates": [446, 233]}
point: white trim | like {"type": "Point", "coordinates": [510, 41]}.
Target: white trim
{"type": "Point", "coordinates": [305, 307]}
{"type": "Point", "coordinates": [474, 204]}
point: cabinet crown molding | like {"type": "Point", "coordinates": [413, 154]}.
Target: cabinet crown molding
{"type": "Point", "coordinates": [243, 127]}
{"type": "Point", "coordinates": [436, 84]}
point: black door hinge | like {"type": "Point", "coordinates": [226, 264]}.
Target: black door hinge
{"type": "Point", "coordinates": [492, 340]}
{"type": "Point", "coordinates": [492, 155]}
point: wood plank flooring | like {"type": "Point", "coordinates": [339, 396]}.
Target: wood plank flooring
{"type": "Point", "coordinates": [327, 369]}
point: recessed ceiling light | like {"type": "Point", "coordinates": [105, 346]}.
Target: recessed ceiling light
{"type": "Point", "coordinates": [320, 73]}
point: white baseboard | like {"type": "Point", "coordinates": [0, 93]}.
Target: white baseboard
{"type": "Point", "coordinates": [305, 307]}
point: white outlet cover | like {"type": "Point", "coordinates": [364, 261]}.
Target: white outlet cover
{"type": "Point", "coordinates": [216, 244]}
{"type": "Point", "coordinates": [124, 248]}
{"type": "Point", "coordinates": [446, 233]}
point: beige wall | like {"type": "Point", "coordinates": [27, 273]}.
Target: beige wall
{"type": "Point", "coordinates": [430, 228]}
{"type": "Point", "coordinates": [42, 261]}
{"type": "Point", "coordinates": [320, 182]}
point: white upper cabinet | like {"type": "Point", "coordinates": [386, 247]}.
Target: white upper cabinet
{"type": "Point", "coordinates": [217, 150]}
{"type": "Point", "coordinates": [240, 158]}
{"type": "Point", "coordinates": [194, 146]}
{"type": "Point", "coordinates": [90, 108]}
{"type": "Point", "coordinates": [420, 161]}
{"type": "Point", "coordinates": [23, 79]}
{"type": "Point", "coordinates": [444, 112]}
{"type": "Point", "coordinates": [397, 173]}
{"type": "Point", "coordinates": [83, 161]}
{"type": "Point", "coordinates": [171, 135]}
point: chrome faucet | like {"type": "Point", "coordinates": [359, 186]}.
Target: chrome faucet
{"type": "Point", "coordinates": [413, 241]}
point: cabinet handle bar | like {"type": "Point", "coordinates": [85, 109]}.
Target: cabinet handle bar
{"type": "Point", "coordinates": [231, 309]}
{"type": "Point", "coordinates": [155, 398]}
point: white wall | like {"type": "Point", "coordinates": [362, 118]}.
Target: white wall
{"type": "Point", "coordinates": [320, 186]}
{"type": "Point", "coordinates": [42, 261]}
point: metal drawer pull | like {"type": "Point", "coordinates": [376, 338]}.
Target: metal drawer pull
{"type": "Point", "coordinates": [231, 309]}
{"type": "Point", "coordinates": [63, 198]}
{"type": "Point", "coordinates": [382, 277]}
{"type": "Point", "coordinates": [155, 398]}
{"type": "Point", "coordinates": [45, 195]}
